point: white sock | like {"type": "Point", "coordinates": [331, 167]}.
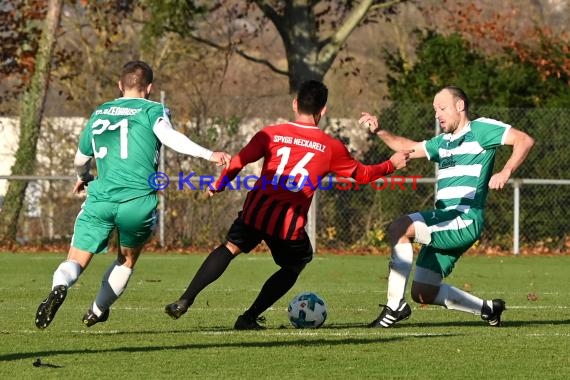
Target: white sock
{"type": "Point", "coordinates": [113, 285]}
{"type": "Point", "coordinates": [66, 273]}
{"type": "Point", "coordinates": [400, 268]}
{"type": "Point", "coordinates": [455, 299]}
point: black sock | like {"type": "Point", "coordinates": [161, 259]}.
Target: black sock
{"type": "Point", "coordinates": [211, 269]}
{"type": "Point", "coordinates": [274, 288]}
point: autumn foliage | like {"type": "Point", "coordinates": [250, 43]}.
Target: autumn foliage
{"type": "Point", "coordinates": [21, 28]}
{"type": "Point", "coordinates": [511, 32]}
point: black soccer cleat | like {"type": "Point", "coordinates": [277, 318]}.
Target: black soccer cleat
{"type": "Point", "coordinates": [388, 316]}
{"type": "Point", "coordinates": [176, 309]}
{"type": "Point", "coordinates": [49, 306]}
{"type": "Point", "coordinates": [90, 319]}
{"type": "Point", "coordinates": [492, 310]}
{"type": "Point", "coordinates": [247, 323]}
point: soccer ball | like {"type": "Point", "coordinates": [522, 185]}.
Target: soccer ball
{"type": "Point", "coordinates": [307, 310]}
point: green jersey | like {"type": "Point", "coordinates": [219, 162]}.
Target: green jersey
{"type": "Point", "coordinates": [119, 135]}
{"type": "Point", "coordinates": [466, 163]}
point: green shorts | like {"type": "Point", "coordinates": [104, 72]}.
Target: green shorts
{"type": "Point", "coordinates": [449, 234]}
{"type": "Point", "coordinates": [134, 219]}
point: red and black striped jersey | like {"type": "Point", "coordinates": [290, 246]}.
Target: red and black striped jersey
{"type": "Point", "coordinates": [297, 157]}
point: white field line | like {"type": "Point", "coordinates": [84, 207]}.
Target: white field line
{"type": "Point", "coordinates": [330, 308]}
{"type": "Point", "coordinates": [303, 333]}
{"type": "Point", "coordinates": [509, 307]}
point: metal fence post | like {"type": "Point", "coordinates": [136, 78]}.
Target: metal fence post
{"type": "Point", "coordinates": [312, 221]}
{"type": "Point", "coordinates": [516, 216]}
{"type": "Point", "coordinates": [161, 197]}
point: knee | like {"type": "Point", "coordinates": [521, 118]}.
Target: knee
{"type": "Point", "coordinates": [128, 256]}
{"type": "Point", "coordinates": [231, 248]}
{"type": "Point", "coordinates": [424, 293]}
{"type": "Point", "coordinates": [417, 296]}
{"type": "Point", "coordinates": [398, 228]}
{"type": "Point", "coordinates": [294, 269]}
{"type": "Point", "coordinates": [127, 261]}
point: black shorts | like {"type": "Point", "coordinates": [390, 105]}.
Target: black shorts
{"type": "Point", "coordinates": [285, 252]}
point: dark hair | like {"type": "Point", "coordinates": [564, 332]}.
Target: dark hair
{"type": "Point", "coordinates": [136, 74]}
{"type": "Point", "coordinates": [312, 97]}
{"type": "Point", "coordinates": [458, 93]}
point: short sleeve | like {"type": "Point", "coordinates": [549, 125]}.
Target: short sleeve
{"type": "Point", "coordinates": [489, 133]}
{"type": "Point", "coordinates": [158, 112]}
{"type": "Point", "coordinates": [431, 147]}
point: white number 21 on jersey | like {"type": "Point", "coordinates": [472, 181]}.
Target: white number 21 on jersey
{"type": "Point", "coordinates": [105, 125]}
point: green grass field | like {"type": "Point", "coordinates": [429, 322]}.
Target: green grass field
{"type": "Point", "coordinates": [140, 341]}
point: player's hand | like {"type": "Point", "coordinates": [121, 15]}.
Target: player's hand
{"type": "Point", "coordinates": [400, 159]}
{"type": "Point", "coordinates": [370, 121]}
{"type": "Point", "coordinates": [213, 191]}
{"type": "Point", "coordinates": [499, 180]}
{"type": "Point", "coordinates": [221, 159]}
{"type": "Point", "coordinates": [79, 188]}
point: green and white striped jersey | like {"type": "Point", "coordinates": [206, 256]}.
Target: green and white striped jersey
{"type": "Point", "coordinates": [466, 163]}
{"type": "Point", "coordinates": [119, 134]}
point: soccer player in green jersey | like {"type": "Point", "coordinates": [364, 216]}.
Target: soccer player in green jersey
{"type": "Point", "coordinates": [465, 154]}
{"type": "Point", "coordinates": [124, 136]}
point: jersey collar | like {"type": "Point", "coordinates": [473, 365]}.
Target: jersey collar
{"type": "Point", "coordinates": [303, 125]}
{"type": "Point", "coordinates": [466, 128]}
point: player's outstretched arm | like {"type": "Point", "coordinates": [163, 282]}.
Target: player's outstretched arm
{"type": "Point", "coordinates": [179, 142]}
{"type": "Point", "coordinates": [253, 151]}
{"type": "Point", "coordinates": [367, 173]}
{"type": "Point", "coordinates": [396, 143]}
{"type": "Point", "coordinates": [522, 144]}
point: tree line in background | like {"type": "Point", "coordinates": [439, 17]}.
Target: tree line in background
{"type": "Point", "coordinates": [234, 59]}
{"type": "Point", "coordinates": [207, 56]}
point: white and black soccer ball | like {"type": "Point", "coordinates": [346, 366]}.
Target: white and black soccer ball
{"type": "Point", "coordinates": [307, 310]}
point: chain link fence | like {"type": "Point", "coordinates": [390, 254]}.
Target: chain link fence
{"type": "Point", "coordinates": [528, 215]}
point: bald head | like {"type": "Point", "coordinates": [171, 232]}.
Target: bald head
{"type": "Point", "coordinates": [451, 108]}
{"type": "Point", "coordinates": [458, 94]}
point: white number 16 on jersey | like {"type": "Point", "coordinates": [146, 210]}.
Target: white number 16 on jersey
{"type": "Point", "coordinates": [298, 170]}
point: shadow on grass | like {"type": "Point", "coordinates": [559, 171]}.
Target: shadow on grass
{"type": "Point", "coordinates": [403, 328]}
{"type": "Point", "coordinates": [197, 346]}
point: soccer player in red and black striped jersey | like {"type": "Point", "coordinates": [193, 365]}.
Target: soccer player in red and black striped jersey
{"type": "Point", "coordinates": [297, 156]}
